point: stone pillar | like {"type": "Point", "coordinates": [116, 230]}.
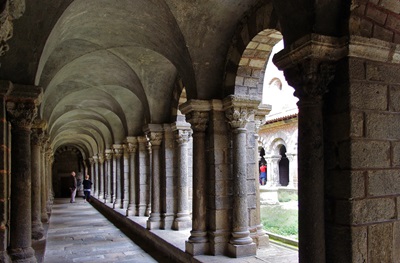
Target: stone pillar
{"type": "Point", "coordinates": [108, 177]}
{"type": "Point", "coordinates": [118, 151]}
{"type": "Point", "coordinates": [292, 169]}
{"type": "Point", "coordinates": [95, 176]}
{"type": "Point", "coordinates": [309, 68]}
{"type": "Point", "coordinates": [260, 237]}
{"type": "Point", "coordinates": [101, 176]}
{"type": "Point", "coordinates": [238, 112]}
{"type": "Point", "coordinates": [142, 180]}
{"type": "Point", "coordinates": [22, 109]}
{"type": "Point", "coordinates": [154, 133]}
{"type": "Point", "coordinates": [182, 219]}
{"type": "Point", "coordinates": [44, 180]}
{"type": "Point", "coordinates": [125, 177]}
{"type": "Point", "coordinates": [5, 181]}
{"type": "Point", "coordinates": [197, 114]}
{"type": "Point", "coordinates": [132, 147]}
{"type": "Point", "coordinates": [36, 177]}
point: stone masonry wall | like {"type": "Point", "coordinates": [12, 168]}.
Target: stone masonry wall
{"type": "Point", "coordinates": [363, 179]}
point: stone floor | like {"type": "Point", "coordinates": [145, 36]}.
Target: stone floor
{"type": "Point", "coordinates": [79, 233]}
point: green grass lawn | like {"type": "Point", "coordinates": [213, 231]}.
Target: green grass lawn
{"type": "Point", "coordinates": [280, 221]}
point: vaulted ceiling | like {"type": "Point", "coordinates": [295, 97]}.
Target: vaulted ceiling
{"type": "Point", "coordinates": [109, 67]}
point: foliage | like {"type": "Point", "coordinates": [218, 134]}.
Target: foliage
{"type": "Point", "coordinates": [280, 221]}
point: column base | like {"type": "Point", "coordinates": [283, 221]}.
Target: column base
{"type": "Point", "coordinates": [37, 230]}
{"type": "Point", "coordinates": [130, 210]}
{"type": "Point", "coordinates": [195, 249]}
{"type": "Point", "coordinates": [238, 251]}
{"type": "Point", "coordinates": [153, 224]}
{"type": "Point", "coordinates": [141, 210]}
{"type": "Point", "coordinates": [4, 257]}
{"type": "Point", "coordinates": [44, 217]}
{"type": "Point", "coordinates": [117, 204]}
{"type": "Point", "coordinates": [181, 224]}
{"type": "Point", "coordinates": [23, 255]}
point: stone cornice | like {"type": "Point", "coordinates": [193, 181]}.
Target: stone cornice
{"type": "Point", "coordinates": [312, 47]}
{"type": "Point", "coordinates": [361, 47]}
{"type": "Point", "coordinates": [195, 105]}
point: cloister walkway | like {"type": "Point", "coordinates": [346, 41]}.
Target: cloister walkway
{"type": "Point", "coordinates": [78, 232]}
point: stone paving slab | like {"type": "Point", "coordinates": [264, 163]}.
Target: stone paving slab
{"type": "Point", "coordinates": [77, 232]}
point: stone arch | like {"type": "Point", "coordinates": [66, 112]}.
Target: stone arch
{"type": "Point", "coordinates": [249, 52]}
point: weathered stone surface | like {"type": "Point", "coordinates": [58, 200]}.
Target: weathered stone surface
{"type": "Point", "coordinates": [380, 246]}
{"type": "Point", "coordinates": [383, 182]}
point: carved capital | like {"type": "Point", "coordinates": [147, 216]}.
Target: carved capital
{"type": "Point", "coordinates": [101, 158]}
{"type": "Point", "coordinates": [21, 114]}
{"type": "Point", "coordinates": [155, 138]}
{"type": "Point", "coordinates": [108, 154]}
{"type": "Point", "coordinates": [183, 136]}
{"type": "Point", "coordinates": [197, 113]}
{"type": "Point", "coordinates": [118, 150]}
{"type": "Point", "coordinates": [132, 144]}
{"type": "Point", "coordinates": [239, 110]}
{"type": "Point", "coordinates": [95, 159]}
{"type": "Point", "coordinates": [309, 64]}
{"type": "Point", "coordinates": [91, 161]}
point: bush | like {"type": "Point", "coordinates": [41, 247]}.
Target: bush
{"type": "Point", "coordinates": [280, 221]}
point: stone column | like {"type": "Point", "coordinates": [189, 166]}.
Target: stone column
{"type": "Point", "coordinates": [260, 236]}
{"type": "Point", "coordinates": [132, 147]}
{"type": "Point", "coordinates": [292, 169]}
{"type": "Point", "coordinates": [197, 114]}
{"type": "Point", "coordinates": [92, 173]}
{"type": "Point", "coordinates": [118, 151]}
{"type": "Point", "coordinates": [101, 176]}
{"type": "Point", "coordinates": [108, 177]}
{"type": "Point", "coordinates": [44, 180]}
{"type": "Point", "coordinates": [182, 219]}
{"type": "Point", "coordinates": [125, 177]}
{"type": "Point", "coordinates": [308, 67]}
{"type": "Point", "coordinates": [143, 186]}
{"type": "Point", "coordinates": [22, 110]}
{"type": "Point", "coordinates": [273, 171]}
{"type": "Point", "coordinates": [36, 177]}
{"type": "Point", "coordinates": [95, 176]}
{"type": "Point", "coordinates": [238, 112]}
{"type": "Point", "coordinates": [49, 179]}
{"type": "Point", "coordinates": [5, 181]}
{"type": "Point", "coordinates": [155, 134]}
{"type": "Point", "coordinates": [108, 180]}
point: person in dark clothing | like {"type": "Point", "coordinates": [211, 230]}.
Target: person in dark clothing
{"type": "Point", "coordinates": [72, 187]}
{"type": "Point", "coordinates": [87, 187]}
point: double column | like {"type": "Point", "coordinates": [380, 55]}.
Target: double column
{"type": "Point", "coordinates": [108, 196]}
{"type": "Point", "coordinates": [37, 139]}
{"type": "Point", "coordinates": [22, 110]}
{"type": "Point", "coordinates": [197, 114]}
{"type": "Point", "coordinates": [238, 111]}
{"type": "Point", "coordinates": [182, 219]}
{"type": "Point", "coordinates": [155, 133]}
{"type": "Point", "coordinates": [132, 145]}
{"type": "Point", "coordinates": [117, 183]}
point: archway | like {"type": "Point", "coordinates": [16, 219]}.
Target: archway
{"type": "Point", "coordinates": [283, 167]}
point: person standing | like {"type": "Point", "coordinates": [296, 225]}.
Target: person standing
{"type": "Point", "coordinates": [72, 187]}
{"type": "Point", "coordinates": [263, 174]}
{"type": "Point", "coordinates": [87, 187]}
